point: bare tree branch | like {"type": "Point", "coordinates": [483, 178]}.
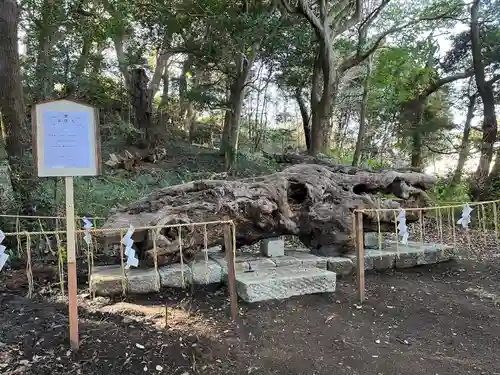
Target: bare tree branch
{"type": "Point", "coordinates": [355, 18]}
{"type": "Point", "coordinates": [358, 58]}
{"type": "Point", "coordinates": [307, 12]}
{"type": "Point", "coordinates": [334, 11]}
{"type": "Point", "coordinates": [433, 87]}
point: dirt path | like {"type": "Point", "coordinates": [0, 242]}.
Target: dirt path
{"type": "Point", "coordinates": [438, 320]}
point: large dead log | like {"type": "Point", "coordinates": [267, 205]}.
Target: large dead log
{"type": "Point", "coordinates": [313, 202]}
{"type": "Point", "coordinates": [288, 158]}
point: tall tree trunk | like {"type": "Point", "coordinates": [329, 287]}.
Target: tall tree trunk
{"type": "Point", "coordinates": [306, 118]}
{"type": "Point", "coordinates": [163, 118]}
{"type": "Point", "coordinates": [190, 121]}
{"type": "Point", "coordinates": [230, 133]}
{"type": "Point", "coordinates": [321, 104]}
{"type": "Point", "coordinates": [485, 90]}
{"type": "Point", "coordinates": [166, 87]}
{"type": "Point", "coordinates": [11, 102]}
{"type": "Point", "coordinates": [141, 102]}
{"type": "Point", "coordinates": [183, 91]}
{"type": "Point", "coordinates": [464, 145]}
{"type": "Point", "coordinates": [362, 116]}
{"type": "Point", "coordinates": [416, 150]}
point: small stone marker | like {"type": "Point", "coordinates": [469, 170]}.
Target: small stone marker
{"type": "Point", "coordinates": [3, 255]}
{"type": "Point", "coordinates": [272, 247]}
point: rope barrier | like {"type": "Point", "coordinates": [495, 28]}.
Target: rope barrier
{"type": "Point", "coordinates": [110, 230]}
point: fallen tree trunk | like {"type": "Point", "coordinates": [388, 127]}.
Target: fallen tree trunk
{"type": "Point", "coordinates": [313, 202]}
{"type": "Point", "coordinates": [302, 158]}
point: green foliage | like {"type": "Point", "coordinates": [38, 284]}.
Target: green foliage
{"type": "Point", "coordinates": [442, 192]}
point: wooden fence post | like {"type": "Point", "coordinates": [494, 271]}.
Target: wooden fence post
{"type": "Point", "coordinates": [231, 273]}
{"type": "Point", "coordinates": [360, 256]}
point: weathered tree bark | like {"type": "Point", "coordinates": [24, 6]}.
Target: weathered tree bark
{"type": "Point", "coordinates": [230, 132]}
{"type": "Point", "coordinates": [306, 117]}
{"type": "Point", "coordinates": [362, 115]}
{"type": "Point", "coordinates": [166, 85]}
{"type": "Point", "coordinates": [480, 182]}
{"type": "Point", "coordinates": [11, 101]}
{"type": "Point", "coordinates": [141, 100]}
{"type": "Point", "coordinates": [464, 144]}
{"type": "Point", "coordinates": [313, 202]}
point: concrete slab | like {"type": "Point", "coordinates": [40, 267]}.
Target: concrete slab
{"type": "Point", "coordinates": [142, 280]}
{"type": "Point", "coordinates": [262, 263]}
{"type": "Point", "coordinates": [307, 259]}
{"type": "Point", "coordinates": [107, 280]}
{"type": "Point", "coordinates": [340, 265]}
{"type": "Point", "coordinates": [283, 282]}
{"type": "Point", "coordinates": [272, 247]}
{"type": "Point", "coordinates": [172, 275]}
{"type": "Point", "coordinates": [287, 260]}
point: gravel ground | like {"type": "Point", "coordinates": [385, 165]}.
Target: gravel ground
{"type": "Point", "coordinates": [442, 319]}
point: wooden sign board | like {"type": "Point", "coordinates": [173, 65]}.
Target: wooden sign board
{"type": "Point", "coordinates": [65, 139]}
{"type": "Point", "coordinates": [66, 143]}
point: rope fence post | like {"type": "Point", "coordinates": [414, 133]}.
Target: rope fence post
{"type": "Point", "coordinates": [122, 264]}
{"type": "Point", "coordinates": [360, 256]}
{"type": "Point", "coordinates": [231, 273]}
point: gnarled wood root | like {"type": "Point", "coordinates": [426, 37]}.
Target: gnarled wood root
{"type": "Point", "coordinates": [311, 201]}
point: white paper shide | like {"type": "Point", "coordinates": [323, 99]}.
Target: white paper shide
{"type": "Point", "coordinates": [87, 225]}
{"type": "Point", "coordinates": [466, 216]}
{"type": "Point", "coordinates": [3, 255]}
{"type": "Point", "coordinates": [402, 228]}
{"type": "Point", "coordinates": [129, 251]}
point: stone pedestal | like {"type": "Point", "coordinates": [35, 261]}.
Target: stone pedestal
{"type": "Point", "coordinates": [272, 247]}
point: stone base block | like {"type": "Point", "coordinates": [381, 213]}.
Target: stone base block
{"type": "Point", "coordinates": [206, 272]}
{"type": "Point", "coordinates": [107, 280]}
{"type": "Point", "coordinates": [241, 264]}
{"type": "Point", "coordinates": [340, 265]}
{"type": "Point", "coordinates": [142, 280]}
{"type": "Point", "coordinates": [283, 282]}
{"type": "Point", "coordinates": [372, 240]}
{"type": "Point", "coordinates": [272, 247]}
{"type": "Point", "coordinates": [173, 275]}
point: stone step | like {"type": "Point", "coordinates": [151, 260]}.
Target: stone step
{"type": "Point", "coordinates": [255, 262]}
{"type": "Point", "coordinates": [284, 282]}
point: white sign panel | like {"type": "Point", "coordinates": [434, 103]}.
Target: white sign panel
{"type": "Point", "coordinates": [66, 139]}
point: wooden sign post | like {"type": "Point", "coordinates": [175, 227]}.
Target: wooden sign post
{"type": "Point", "coordinates": [66, 144]}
